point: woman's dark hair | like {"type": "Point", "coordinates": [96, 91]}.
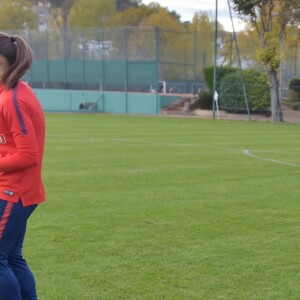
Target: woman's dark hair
{"type": "Point", "coordinates": [19, 57]}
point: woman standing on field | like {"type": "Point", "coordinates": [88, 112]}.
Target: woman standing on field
{"type": "Point", "coordinates": [22, 134]}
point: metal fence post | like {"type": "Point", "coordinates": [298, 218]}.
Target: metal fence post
{"type": "Point", "coordinates": [48, 63]}
{"type": "Point", "coordinates": [195, 62]}
{"type": "Point", "coordinates": [157, 98]}
{"type": "Point", "coordinates": [102, 60]}
{"type": "Point", "coordinates": [83, 64]}
{"type": "Point", "coordinates": [126, 70]}
{"type": "Point", "coordinates": [65, 56]}
{"type": "Point", "coordinates": [157, 69]}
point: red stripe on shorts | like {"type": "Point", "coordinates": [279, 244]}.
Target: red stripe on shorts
{"type": "Point", "coordinates": [5, 217]}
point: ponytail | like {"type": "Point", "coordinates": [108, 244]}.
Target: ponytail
{"type": "Point", "coordinates": [19, 57]}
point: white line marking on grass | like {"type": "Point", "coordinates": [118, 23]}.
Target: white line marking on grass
{"type": "Point", "coordinates": [172, 144]}
{"type": "Point", "coordinates": [248, 153]}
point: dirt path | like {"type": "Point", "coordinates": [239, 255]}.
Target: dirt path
{"type": "Point", "coordinates": [289, 115]}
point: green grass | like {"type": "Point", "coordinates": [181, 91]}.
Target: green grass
{"type": "Point", "coordinates": [167, 208]}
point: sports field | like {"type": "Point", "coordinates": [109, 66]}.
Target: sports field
{"type": "Point", "coordinates": [167, 208]}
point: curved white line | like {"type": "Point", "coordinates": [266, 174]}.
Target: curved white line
{"type": "Point", "coordinates": [248, 153]}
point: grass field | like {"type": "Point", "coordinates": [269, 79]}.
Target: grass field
{"type": "Point", "coordinates": [167, 208]}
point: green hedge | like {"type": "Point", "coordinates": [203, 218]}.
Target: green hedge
{"type": "Point", "coordinates": [257, 89]}
{"type": "Point", "coordinates": [221, 72]}
{"type": "Point", "coordinates": [294, 94]}
{"type": "Point", "coordinates": [204, 100]}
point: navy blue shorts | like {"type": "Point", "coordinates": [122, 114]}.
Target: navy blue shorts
{"type": "Point", "coordinates": [16, 279]}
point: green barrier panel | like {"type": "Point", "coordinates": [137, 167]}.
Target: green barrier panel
{"type": "Point", "coordinates": [38, 72]}
{"type": "Point", "coordinates": [73, 69]}
{"type": "Point", "coordinates": [107, 102]}
{"type": "Point", "coordinates": [142, 73]}
{"type": "Point", "coordinates": [94, 71]}
{"type": "Point", "coordinates": [113, 72]}
{"type": "Point", "coordinates": [57, 70]}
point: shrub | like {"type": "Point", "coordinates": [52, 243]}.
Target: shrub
{"type": "Point", "coordinates": [294, 94]}
{"type": "Point", "coordinates": [221, 72]}
{"type": "Point", "coordinates": [295, 85]}
{"type": "Point", "coordinates": [257, 90]}
{"type": "Point", "coordinates": [204, 100]}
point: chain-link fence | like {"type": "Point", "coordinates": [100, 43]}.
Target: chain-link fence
{"type": "Point", "coordinates": [142, 59]}
{"type": "Point", "coordinates": [249, 86]}
{"type": "Point", "coordinates": [290, 55]}
{"type": "Point", "coordinates": [290, 71]}
{"type": "Point", "coordinates": [119, 59]}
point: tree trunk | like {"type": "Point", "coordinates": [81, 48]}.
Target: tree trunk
{"type": "Point", "coordinates": [277, 115]}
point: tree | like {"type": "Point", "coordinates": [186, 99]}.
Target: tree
{"type": "Point", "coordinates": [59, 20]}
{"type": "Point", "coordinates": [17, 15]}
{"type": "Point", "coordinates": [270, 19]}
{"type": "Point", "coordinates": [60, 10]}
{"type": "Point", "coordinates": [142, 38]}
{"type": "Point", "coordinates": [248, 41]}
{"type": "Point", "coordinates": [176, 15]}
{"type": "Point", "coordinates": [204, 28]}
{"type": "Point", "coordinates": [125, 4]}
{"type": "Point", "coordinates": [91, 13]}
{"type": "Point", "coordinates": [292, 49]}
{"type": "Point", "coordinates": [133, 16]}
{"type": "Point", "coordinates": [174, 51]}
{"type": "Point", "coordinates": [163, 18]}
{"type": "Point", "coordinates": [149, 24]}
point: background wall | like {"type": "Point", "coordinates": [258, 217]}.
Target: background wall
{"type": "Point", "coordinates": [107, 102]}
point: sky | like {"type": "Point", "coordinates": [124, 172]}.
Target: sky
{"type": "Point", "coordinates": [187, 8]}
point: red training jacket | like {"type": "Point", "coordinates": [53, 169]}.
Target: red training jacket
{"type": "Point", "coordinates": [22, 136]}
